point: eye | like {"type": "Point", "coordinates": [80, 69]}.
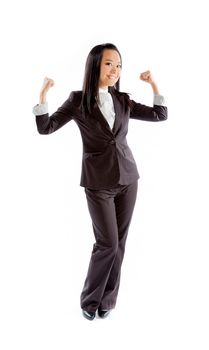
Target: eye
{"type": "Point", "coordinates": [119, 65]}
{"type": "Point", "coordinates": [108, 63]}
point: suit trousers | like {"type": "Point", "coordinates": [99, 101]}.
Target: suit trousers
{"type": "Point", "coordinates": [111, 212]}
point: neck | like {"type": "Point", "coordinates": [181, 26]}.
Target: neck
{"type": "Point", "coordinates": [103, 88]}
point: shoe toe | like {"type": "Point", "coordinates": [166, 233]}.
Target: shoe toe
{"type": "Point", "coordinates": [89, 315]}
{"type": "Point", "coordinates": [103, 313]}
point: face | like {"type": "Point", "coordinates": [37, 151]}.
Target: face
{"type": "Point", "coordinates": [110, 68]}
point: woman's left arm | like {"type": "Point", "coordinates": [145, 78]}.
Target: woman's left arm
{"type": "Point", "coordinates": [142, 112]}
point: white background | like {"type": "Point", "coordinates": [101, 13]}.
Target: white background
{"type": "Point", "coordinates": [46, 233]}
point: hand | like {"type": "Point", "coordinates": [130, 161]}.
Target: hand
{"type": "Point", "coordinates": [147, 76]}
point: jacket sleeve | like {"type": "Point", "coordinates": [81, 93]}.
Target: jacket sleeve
{"type": "Point", "coordinates": [142, 112]}
{"type": "Point", "coordinates": [48, 124]}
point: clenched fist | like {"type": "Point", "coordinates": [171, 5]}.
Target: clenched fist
{"type": "Point", "coordinates": [147, 76]}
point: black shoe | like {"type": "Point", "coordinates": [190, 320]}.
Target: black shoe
{"type": "Point", "coordinates": [103, 313]}
{"type": "Point", "coordinates": [89, 315]}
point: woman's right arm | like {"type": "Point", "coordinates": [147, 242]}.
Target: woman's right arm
{"type": "Point", "coordinates": [48, 124]}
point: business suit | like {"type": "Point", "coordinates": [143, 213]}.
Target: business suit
{"type": "Point", "coordinates": [110, 177]}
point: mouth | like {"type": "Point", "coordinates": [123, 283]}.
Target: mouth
{"type": "Point", "coordinates": [111, 77]}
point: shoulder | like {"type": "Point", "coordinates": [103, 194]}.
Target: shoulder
{"type": "Point", "coordinates": [123, 97]}
{"type": "Point", "coordinates": [75, 97]}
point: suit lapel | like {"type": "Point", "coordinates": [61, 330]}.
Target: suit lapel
{"type": "Point", "coordinates": [97, 114]}
{"type": "Point", "coordinates": [117, 108]}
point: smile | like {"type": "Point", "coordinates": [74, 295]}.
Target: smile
{"type": "Point", "coordinates": [111, 77]}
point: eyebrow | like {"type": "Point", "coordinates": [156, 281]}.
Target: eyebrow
{"type": "Point", "coordinates": [107, 59]}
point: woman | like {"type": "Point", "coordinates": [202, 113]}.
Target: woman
{"type": "Point", "coordinates": [109, 173]}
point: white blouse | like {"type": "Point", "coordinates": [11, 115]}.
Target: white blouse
{"type": "Point", "coordinates": [106, 106]}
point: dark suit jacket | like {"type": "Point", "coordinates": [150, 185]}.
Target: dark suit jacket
{"type": "Point", "coordinates": [107, 158]}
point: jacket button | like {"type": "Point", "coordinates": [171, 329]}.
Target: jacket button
{"type": "Point", "coordinates": [112, 142]}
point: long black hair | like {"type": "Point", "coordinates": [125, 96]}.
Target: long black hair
{"type": "Point", "coordinates": [90, 89]}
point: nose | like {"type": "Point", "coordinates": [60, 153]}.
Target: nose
{"type": "Point", "coordinates": [113, 70]}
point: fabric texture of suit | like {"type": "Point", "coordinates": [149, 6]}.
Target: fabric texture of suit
{"type": "Point", "coordinates": [111, 212]}
{"type": "Point", "coordinates": [107, 159]}
{"type": "Point", "coordinates": [110, 177]}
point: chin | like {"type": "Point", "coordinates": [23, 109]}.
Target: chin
{"type": "Point", "coordinates": [111, 84]}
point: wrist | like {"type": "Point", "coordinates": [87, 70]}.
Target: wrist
{"type": "Point", "coordinates": [155, 88]}
{"type": "Point", "coordinates": [42, 98]}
